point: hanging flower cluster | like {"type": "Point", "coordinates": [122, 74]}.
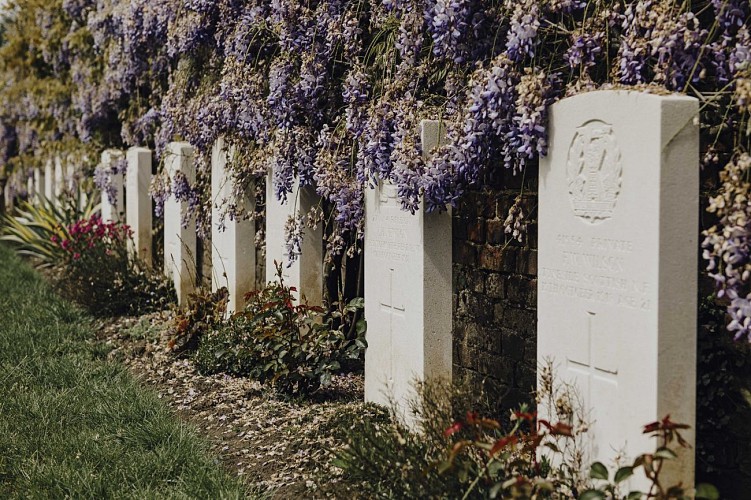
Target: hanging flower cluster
{"type": "Point", "coordinates": [330, 93]}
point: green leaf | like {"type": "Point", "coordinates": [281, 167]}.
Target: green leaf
{"type": "Point", "coordinates": [593, 494]}
{"type": "Point", "coordinates": [361, 326]}
{"type": "Point", "coordinates": [623, 473]}
{"type": "Point", "coordinates": [598, 471]}
{"type": "Point", "coordinates": [635, 495]}
{"type": "Point", "coordinates": [442, 467]}
{"type": "Point", "coordinates": [706, 491]}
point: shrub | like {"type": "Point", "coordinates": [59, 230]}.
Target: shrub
{"type": "Point", "coordinates": [295, 348]}
{"type": "Point", "coordinates": [97, 271]}
{"type": "Point", "coordinates": [205, 312]}
{"type": "Point", "coordinates": [33, 228]}
{"type": "Point", "coordinates": [475, 457]}
{"type": "Point", "coordinates": [388, 460]}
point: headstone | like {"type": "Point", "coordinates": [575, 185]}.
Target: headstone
{"type": "Point", "coordinates": [618, 228]}
{"type": "Point", "coordinates": [306, 272]}
{"type": "Point", "coordinates": [30, 187]}
{"type": "Point", "coordinates": [180, 242]}
{"type": "Point", "coordinates": [49, 180]}
{"type": "Point", "coordinates": [71, 183]}
{"type": "Point", "coordinates": [9, 195]}
{"type": "Point", "coordinates": [39, 185]}
{"type": "Point", "coordinates": [408, 291]}
{"type": "Point", "coordinates": [59, 179]}
{"type": "Point", "coordinates": [138, 202]}
{"type": "Point", "coordinates": [112, 210]}
{"type": "Point", "coordinates": [233, 241]}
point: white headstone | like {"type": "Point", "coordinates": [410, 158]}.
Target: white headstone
{"type": "Point", "coordinates": [8, 192]}
{"type": "Point", "coordinates": [138, 201]}
{"type": "Point", "coordinates": [408, 291]}
{"type": "Point", "coordinates": [233, 241]}
{"type": "Point", "coordinates": [30, 189]}
{"type": "Point", "coordinates": [180, 242]}
{"type": "Point", "coordinates": [39, 184]}
{"type": "Point", "coordinates": [59, 179]}
{"type": "Point", "coordinates": [618, 229]}
{"type": "Point", "coordinates": [306, 272]}
{"type": "Point", "coordinates": [71, 183]}
{"type": "Point", "coordinates": [49, 180]}
{"type": "Point", "coordinates": [112, 210]}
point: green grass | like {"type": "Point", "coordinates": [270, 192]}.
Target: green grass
{"type": "Point", "coordinates": [74, 425]}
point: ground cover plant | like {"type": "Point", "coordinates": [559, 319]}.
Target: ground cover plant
{"type": "Point", "coordinates": [88, 258]}
{"type": "Point", "coordinates": [296, 348]}
{"type": "Point", "coordinates": [453, 450]}
{"type": "Point", "coordinates": [74, 425]}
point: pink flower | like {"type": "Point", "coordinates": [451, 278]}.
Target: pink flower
{"type": "Point", "coordinates": [76, 256]}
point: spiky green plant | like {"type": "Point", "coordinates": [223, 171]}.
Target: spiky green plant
{"type": "Point", "coordinates": [31, 228]}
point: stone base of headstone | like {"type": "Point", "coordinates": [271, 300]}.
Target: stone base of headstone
{"type": "Point", "coordinates": [618, 228]}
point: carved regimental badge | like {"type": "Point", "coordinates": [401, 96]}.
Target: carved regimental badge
{"type": "Point", "coordinates": [594, 171]}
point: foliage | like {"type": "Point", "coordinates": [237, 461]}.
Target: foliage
{"type": "Point", "coordinates": [390, 460]}
{"type": "Point", "coordinates": [723, 404]}
{"type": "Point", "coordinates": [509, 466]}
{"type": "Point", "coordinates": [331, 92]}
{"type": "Point", "coordinates": [98, 272]}
{"type": "Point", "coordinates": [457, 453]}
{"type": "Point", "coordinates": [665, 432]}
{"type": "Point", "coordinates": [34, 227]}
{"type": "Point", "coordinates": [204, 313]}
{"type": "Point", "coordinates": [295, 348]}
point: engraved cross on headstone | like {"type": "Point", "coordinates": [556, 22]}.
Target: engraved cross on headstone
{"type": "Point", "coordinates": [394, 307]}
{"type": "Point", "coordinates": [390, 305]}
{"type": "Point", "coordinates": [589, 367]}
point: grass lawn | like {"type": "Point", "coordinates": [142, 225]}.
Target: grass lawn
{"type": "Point", "coordinates": [75, 425]}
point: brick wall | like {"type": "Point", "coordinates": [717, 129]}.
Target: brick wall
{"type": "Point", "coordinates": [495, 293]}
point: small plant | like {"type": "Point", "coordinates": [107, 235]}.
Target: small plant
{"type": "Point", "coordinates": [34, 227]}
{"type": "Point", "coordinates": [295, 348]}
{"type": "Point", "coordinates": [205, 312]}
{"type": "Point", "coordinates": [517, 464]}
{"type": "Point", "coordinates": [96, 270]}
{"type": "Point", "coordinates": [387, 459]}
{"type": "Point", "coordinates": [666, 432]}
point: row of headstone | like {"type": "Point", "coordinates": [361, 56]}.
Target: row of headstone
{"type": "Point", "coordinates": [618, 206]}
{"type": "Point", "coordinates": [233, 239]}
{"type": "Point", "coordinates": [53, 180]}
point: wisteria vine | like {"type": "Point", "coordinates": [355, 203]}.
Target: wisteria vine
{"type": "Point", "coordinates": [330, 94]}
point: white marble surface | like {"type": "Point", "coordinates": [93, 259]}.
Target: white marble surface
{"type": "Point", "coordinates": [618, 229]}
